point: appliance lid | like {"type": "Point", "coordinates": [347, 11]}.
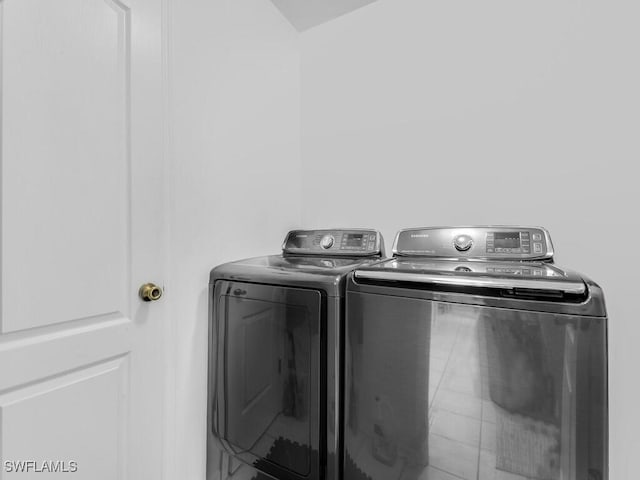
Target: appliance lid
{"type": "Point", "coordinates": [328, 273]}
{"type": "Point", "coordinates": [304, 264]}
{"type": "Point", "coordinates": [518, 243]}
{"type": "Point", "coordinates": [529, 276]}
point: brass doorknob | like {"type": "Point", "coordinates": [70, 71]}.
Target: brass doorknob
{"type": "Point", "coordinates": [150, 292]}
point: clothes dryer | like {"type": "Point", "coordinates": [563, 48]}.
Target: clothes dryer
{"type": "Point", "coordinates": [472, 355]}
{"type": "Point", "coordinates": [275, 356]}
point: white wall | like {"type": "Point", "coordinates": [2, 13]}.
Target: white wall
{"type": "Point", "coordinates": [497, 112]}
{"type": "Point", "coordinates": [234, 179]}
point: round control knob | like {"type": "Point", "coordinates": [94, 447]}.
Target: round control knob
{"type": "Point", "coordinates": [327, 242]}
{"type": "Point", "coordinates": [462, 242]}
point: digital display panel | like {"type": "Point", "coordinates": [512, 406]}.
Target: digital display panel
{"type": "Point", "coordinates": [353, 240]}
{"type": "Point", "coordinates": [506, 239]}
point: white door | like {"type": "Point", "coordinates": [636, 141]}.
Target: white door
{"type": "Point", "coordinates": [81, 356]}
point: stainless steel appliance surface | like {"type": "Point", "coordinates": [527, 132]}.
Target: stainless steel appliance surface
{"type": "Point", "coordinates": [275, 356]}
{"type": "Point", "coordinates": [471, 355]}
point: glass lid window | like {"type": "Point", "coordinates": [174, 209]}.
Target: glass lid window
{"type": "Point", "coordinates": [447, 391]}
{"type": "Point", "coordinates": [507, 239]}
{"type": "Point", "coordinates": [269, 352]}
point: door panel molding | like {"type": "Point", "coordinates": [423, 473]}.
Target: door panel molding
{"type": "Point", "coordinates": [66, 121]}
{"type": "Point", "coordinates": [85, 420]}
{"type": "Point", "coordinates": [56, 351]}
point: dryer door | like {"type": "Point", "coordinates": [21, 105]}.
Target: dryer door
{"type": "Point", "coordinates": [267, 382]}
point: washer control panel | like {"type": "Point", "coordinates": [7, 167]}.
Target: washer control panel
{"type": "Point", "coordinates": [339, 242]}
{"type": "Point", "coordinates": [486, 242]}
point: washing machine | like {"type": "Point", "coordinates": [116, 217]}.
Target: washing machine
{"type": "Point", "coordinates": [472, 355]}
{"type": "Point", "coordinates": [275, 356]}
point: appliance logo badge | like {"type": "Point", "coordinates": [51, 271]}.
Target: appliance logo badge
{"type": "Point", "coordinates": [419, 235]}
{"type": "Point", "coordinates": [301, 236]}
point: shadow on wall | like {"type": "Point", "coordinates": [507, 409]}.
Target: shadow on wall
{"type": "Point", "coordinates": [304, 15]}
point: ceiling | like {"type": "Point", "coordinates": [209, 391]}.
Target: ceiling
{"type": "Point", "coordinates": [304, 14]}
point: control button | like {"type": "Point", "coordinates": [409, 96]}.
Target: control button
{"type": "Point", "coordinates": [372, 237]}
{"type": "Point", "coordinates": [463, 268]}
{"type": "Point", "coordinates": [327, 242]}
{"type": "Point", "coordinates": [537, 237]}
{"type": "Point", "coordinates": [537, 248]}
{"type": "Point", "coordinates": [489, 250]}
{"type": "Point", "coordinates": [371, 245]}
{"type": "Point", "coordinates": [524, 234]}
{"type": "Point", "coordinates": [462, 242]}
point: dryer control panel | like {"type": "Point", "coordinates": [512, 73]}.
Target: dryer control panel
{"type": "Point", "coordinates": [335, 242]}
{"type": "Point", "coordinates": [485, 242]}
